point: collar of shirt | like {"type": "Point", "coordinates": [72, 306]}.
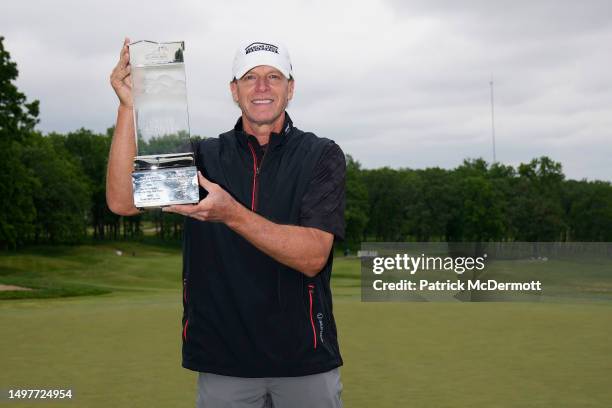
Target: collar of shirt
{"type": "Point", "coordinates": [276, 139]}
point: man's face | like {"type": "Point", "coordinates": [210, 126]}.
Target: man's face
{"type": "Point", "coordinates": [262, 94]}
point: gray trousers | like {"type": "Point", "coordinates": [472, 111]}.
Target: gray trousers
{"type": "Point", "coordinates": [310, 391]}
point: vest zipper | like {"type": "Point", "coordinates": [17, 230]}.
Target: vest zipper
{"type": "Point", "coordinates": [256, 169]}
{"type": "Point", "coordinates": [186, 308]}
{"type": "Point", "coordinates": [311, 288]}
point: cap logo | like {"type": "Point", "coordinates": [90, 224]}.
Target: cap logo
{"type": "Point", "coordinates": [261, 47]}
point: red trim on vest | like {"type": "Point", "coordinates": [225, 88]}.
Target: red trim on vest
{"type": "Point", "coordinates": [254, 176]}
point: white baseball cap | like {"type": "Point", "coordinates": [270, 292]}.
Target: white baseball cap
{"type": "Point", "coordinates": [252, 54]}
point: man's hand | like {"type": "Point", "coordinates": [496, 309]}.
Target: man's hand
{"type": "Point", "coordinates": [119, 196]}
{"type": "Point", "coordinates": [301, 248]}
{"type": "Point", "coordinates": [218, 205]}
{"type": "Point", "coordinates": [120, 78]}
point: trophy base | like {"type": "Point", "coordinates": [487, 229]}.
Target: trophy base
{"type": "Point", "coordinates": [156, 188]}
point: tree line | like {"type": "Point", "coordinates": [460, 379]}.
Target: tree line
{"type": "Point", "coordinates": [52, 187]}
{"type": "Point", "coordinates": [476, 201]}
{"type": "Point", "coordinates": [53, 191]}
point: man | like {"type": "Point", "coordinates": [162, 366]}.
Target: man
{"type": "Point", "coordinates": [257, 250]}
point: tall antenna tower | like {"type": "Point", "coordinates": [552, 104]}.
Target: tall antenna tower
{"type": "Point", "coordinates": [493, 119]}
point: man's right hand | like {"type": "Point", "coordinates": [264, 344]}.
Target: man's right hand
{"type": "Point", "coordinates": [120, 78]}
{"type": "Point", "coordinates": [119, 195]}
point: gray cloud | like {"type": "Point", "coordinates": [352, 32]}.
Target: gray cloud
{"type": "Point", "coordinates": [395, 83]}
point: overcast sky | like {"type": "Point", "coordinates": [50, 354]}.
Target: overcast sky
{"type": "Point", "coordinates": [394, 83]}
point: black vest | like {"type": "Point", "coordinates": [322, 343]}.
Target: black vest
{"type": "Point", "coordinates": [245, 314]}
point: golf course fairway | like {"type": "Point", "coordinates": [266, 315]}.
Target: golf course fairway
{"type": "Point", "coordinates": [122, 348]}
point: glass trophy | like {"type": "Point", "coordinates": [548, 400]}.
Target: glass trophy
{"type": "Point", "coordinates": [164, 167]}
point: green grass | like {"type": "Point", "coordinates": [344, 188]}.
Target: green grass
{"type": "Point", "coordinates": [44, 289]}
{"type": "Point", "coordinates": [90, 269]}
{"type": "Point", "coordinates": [122, 348]}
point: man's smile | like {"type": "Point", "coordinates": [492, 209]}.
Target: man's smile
{"type": "Point", "coordinates": [262, 101]}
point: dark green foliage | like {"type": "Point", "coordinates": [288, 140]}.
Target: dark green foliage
{"type": "Point", "coordinates": [17, 117]}
{"type": "Point", "coordinates": [90, 151]}
{"type": "Point", "coordinates": [479, 202]}
{"type": "Point", "coordinates": [433, 208]}
{"type": "Point", "coordinates": [385, 210]}
{"type": "Point", "coordinates": [588, 210]}
{"type": "Point", "coordinates": [17, 120]}
{"type": "Point", "coordinates": [479, 213]}
{"type": "Point", "coordinates": [356, 213]}
{"type": "Point", "coordinates": [17, 186]}
{"type": "Point", "coordinates": [538, 214]}
{"type": "Point", "coordinates": [62, 199]}
{"type": "Point", "coordinates": [52, 189]}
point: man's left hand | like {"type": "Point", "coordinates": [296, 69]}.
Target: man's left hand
{"type": "Point", "coordinates": [218, 205]}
